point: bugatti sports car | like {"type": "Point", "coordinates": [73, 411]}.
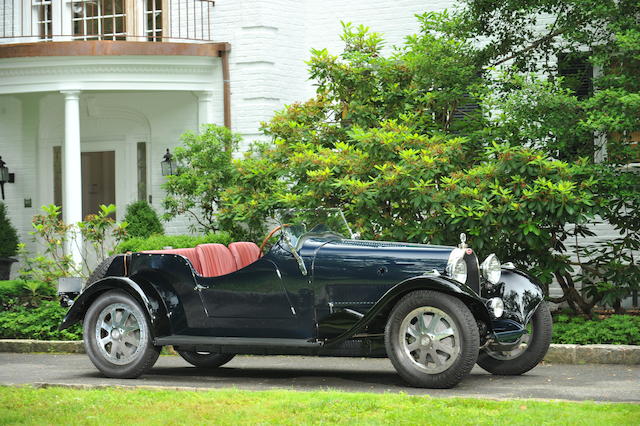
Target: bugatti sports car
{"type": "Point", "coordinates": [434, 311]}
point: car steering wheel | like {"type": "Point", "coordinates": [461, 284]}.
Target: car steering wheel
{"type": "Point", "coordinates": [268, 237]}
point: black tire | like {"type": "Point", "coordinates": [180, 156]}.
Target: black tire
{"type": "Point", "coordinates": [204, 359]}
{"type": "Point", "coordinates": [462, 345]}
{"type": "Point", "coordinates": [101, 271]}
{"type": "Point", "coordinates": [104, 312]}
{"type": "Point", "coordinates": [537, 346]}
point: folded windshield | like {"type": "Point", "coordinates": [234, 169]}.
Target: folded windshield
{"type": "Point", "coordinates": [298, 222]}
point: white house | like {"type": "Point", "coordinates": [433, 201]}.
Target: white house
{"type": "Point", "coordinates": [93, 92]}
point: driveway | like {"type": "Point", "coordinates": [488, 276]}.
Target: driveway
{"type": "Point", "coordinates": [557, 381]}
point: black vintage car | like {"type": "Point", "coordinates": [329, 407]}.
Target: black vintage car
{"type": "Point", "coordinates": [434, 311]}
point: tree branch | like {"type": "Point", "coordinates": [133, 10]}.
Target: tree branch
{"type": "Point", "coordinates": [532, 46]}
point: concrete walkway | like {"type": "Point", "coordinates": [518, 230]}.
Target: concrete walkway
{"type": "Point", "coordinates": [547, 381]}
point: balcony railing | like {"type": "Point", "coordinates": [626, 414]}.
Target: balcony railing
{"type": "Point", "coordinates": [26, 21]}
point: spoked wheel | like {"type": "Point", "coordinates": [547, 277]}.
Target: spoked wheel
{"type": "Point", "coordinates": [432, 339]}
{"type": "Point", "coordinates": [531, 349]}
{"type": "Point", "coordinates": [205, 359]}
{"type": "Point", "coordinates": [117, 336]}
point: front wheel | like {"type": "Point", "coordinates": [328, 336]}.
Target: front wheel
{"type": "Point", "coordinates": [431, 339]}
{"type": "Point", "coordinates": [205, 359]}
{"type": "Point", "coordinates": [531, 349]}
{"type": "Point", "coordinates": [117, 336]}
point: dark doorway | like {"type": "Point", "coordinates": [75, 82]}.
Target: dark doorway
{"type": "Point", "coordinates": [98, 180]}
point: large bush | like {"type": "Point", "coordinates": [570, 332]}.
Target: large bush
{"type": "Point", "coordinates": [399, 145]}
{"type": "Point", "coordinates": [142, 220]}
{"type": "Point", "coordinates": [159, 242]}
{"type": "Point", "coordinates": [8, 235]}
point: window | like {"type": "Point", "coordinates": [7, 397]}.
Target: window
{"type": "Point", "coordinates": [99, 19]}
{"type": "Point", "coordinates": [44, 21]}
{"type": "Point", "coordinates": [142, 170]}
{"type": "Point", "coordinates": [57, 176]}
{"type": "Point", "coordinates": [153, 20]}
{"type": "Point", "coordinates": [577, 72]}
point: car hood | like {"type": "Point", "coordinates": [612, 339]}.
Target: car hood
{"type": "Point", "coordinates": [371, 259]}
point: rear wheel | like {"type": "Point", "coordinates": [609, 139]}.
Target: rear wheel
{"type": "Point", "coordinates": [532, 348]}
{"type": "Point", "coordinates": [205, 359]}
{"type": "Point", "coordinates": [431, 339]}
{"type": "Point", "coordinates": [117, 336]}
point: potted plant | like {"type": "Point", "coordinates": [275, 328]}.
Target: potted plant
{"type": "Point", "coordinates": [8, 244]}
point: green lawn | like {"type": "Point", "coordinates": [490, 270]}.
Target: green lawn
{"type": "Point", "coordinates": [120, 406]}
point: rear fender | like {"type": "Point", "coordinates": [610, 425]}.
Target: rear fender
{"type": "Point", "coordinates": [436, 283]}
{"type": "Point", "coordinates": [142, 291]}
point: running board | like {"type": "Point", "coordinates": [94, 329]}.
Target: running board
{"type": "Point", "coordinates": [234, 341]}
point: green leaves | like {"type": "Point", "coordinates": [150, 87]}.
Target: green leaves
{"type": "Point", "coordinates": [205, 170]}
{"type": "Point", "coordinates": [8, 235]}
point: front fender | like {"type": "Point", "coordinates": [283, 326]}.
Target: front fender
{"type": "Point", "coordinates": [437, 283]}
{"type": "Point", "coordinates": [521, 295]}
{"type": "Point", "coordinates": [144, 293]}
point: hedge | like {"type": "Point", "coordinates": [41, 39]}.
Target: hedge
{"type": "Point", "coordinates": [616, 329]}
{"type": "Point", "coordinates": [158, 242]}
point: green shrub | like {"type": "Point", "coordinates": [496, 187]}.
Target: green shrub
{"type": "Point", "coordinates": [158, 242]}
{"type": "Point", "coordinates": [8, 235]}
{"type": "Point", "coordinates": [617, 329]}
{"type": "Point", "coordinates": [142, 220]}
{"type": "Point", "coordinates": [39, 323]}
{"type": "Point", "coordinates": [18, 292]}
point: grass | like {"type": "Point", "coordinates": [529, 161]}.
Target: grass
{"type": "Point", "coordinates": [125, 406]}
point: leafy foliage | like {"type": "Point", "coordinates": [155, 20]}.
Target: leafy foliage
{"type": "Point", "coordinates": [159, 242]}
{"type": "Point", "coordinates": [40, 323]}
{"type": "Point", "coordinates": [8, 235]}
{"type": "Point", "coordinates": [142, 220]}
{"type": "Point", "coordinates": [98, 230]}
{"type": "Point", "coordinates": [384, 140]}
{"type": "Point", "coordinates": [24, 293]}
{"type": "Point", "coordinates": [433, 140]}
{"type": "Point", "coordinates": [28, 311]}
{"type": "Point", "coordinates": [616, 329]}
{"type": "Point", "coordinates": [545, 111]}
{"type": "Point", "coordinates": [204, 171]}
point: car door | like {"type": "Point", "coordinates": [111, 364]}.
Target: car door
{"type": "Point", "coordinates": [254, 292]}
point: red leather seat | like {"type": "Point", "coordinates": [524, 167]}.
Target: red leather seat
{"type": "Point", "coordinates": [216, 260]}
{"type": "Point", "coordinates": [189, 253]}
{"type": "Point", "coordinates": [245, 253]}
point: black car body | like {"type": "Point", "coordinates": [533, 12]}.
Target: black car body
{"type": "Point", "coordinates": [318, 293]}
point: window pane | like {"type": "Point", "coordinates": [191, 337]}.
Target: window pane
{"type": "Point", "coordinates": [142, 171]}
{"type": "Point", "coordinates": [57, 176]}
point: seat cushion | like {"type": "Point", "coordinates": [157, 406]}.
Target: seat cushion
{"type": "Point", "coordinates": [216, 260]}
{"type": "Point", "coordinates": [245, 253]}
{"type": "Point", "coordinates": [189, 253]}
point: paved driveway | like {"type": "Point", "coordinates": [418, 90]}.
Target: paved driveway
{"type": "Point", "coordinates": [558, 381]}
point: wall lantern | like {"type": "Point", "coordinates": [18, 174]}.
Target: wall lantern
{"type": "Point", "coordinates": [5, 176]}
{"type": "Point", "coordinates": [169, 165]}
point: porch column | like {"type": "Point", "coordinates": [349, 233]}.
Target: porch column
{"type": "Point", "coordinates": [72, 189]}
{"type": "Point", "coordinates": [205, 108]}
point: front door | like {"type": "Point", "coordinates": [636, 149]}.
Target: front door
{"type": "Point", "coordinates": [98, 180]}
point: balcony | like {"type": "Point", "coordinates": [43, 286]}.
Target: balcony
{"type": "Point", "coordinates": [112, 45]}
{"type": "Point", "coordinates": [154, 21]}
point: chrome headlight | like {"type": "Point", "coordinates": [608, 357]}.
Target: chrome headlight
{"type": "Point", "coordinates": [491, 269]}
{"type": "Point", "coordinates": [495, 306]}
{"type": "Point", "coordinates": [456, 266]}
